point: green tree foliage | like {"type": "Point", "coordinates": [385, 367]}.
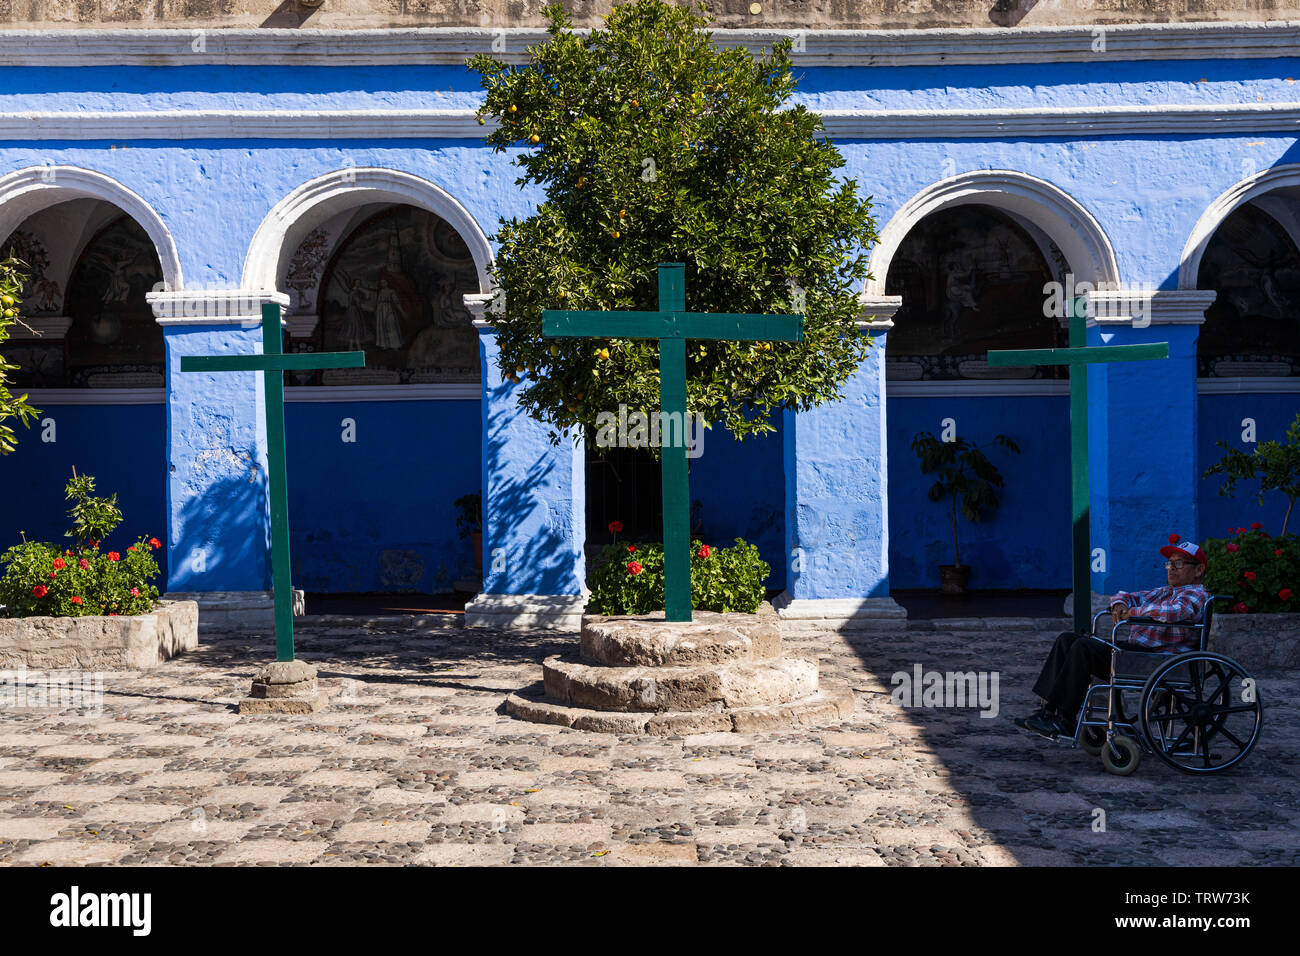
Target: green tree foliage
{"type": "Point", "coordinates": [1275, 464]}
{"type": "Point", "coordinates": [651, 145]}
{"type": "Point", "coordinates": [963, 473]}
{"type": "Point", "coordinates": [12, 278]}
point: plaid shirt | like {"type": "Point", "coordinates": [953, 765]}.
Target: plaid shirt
{"type": "Point", "coordinates": [1168, 603]}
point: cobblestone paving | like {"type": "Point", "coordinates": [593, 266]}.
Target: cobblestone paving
{"type": "Point", "coordinates": [414, 762]}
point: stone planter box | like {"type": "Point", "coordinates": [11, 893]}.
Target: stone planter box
{"type": "Point", "coordinates": [1257, 640]}
{"type": "Point", "coordinates": [138, 642]}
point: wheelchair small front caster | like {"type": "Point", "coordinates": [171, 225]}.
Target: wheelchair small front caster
{"type": "Point", "coordinates": [1091, 740]}
{"type": "Point", "coordinates": [1122, 756]}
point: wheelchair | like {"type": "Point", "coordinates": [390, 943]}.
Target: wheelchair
{"type": "Point", "coordinates": [1198, 711]}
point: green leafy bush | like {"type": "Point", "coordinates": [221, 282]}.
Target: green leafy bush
{"type": "Point", "coordinates": [13, 275]}
{"type": "Point", "coordinates": [629, 578]}
{"type": "Point", "coordinates": [43, 579]}
{"type": "Point", "coordinates": [1261, 572]}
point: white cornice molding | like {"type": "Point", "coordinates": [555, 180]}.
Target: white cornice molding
{"type": "Point", "coordinates": [213, 306]}
{"type": "Point", "coordinates": [301, 326]}
{"type": "Point", "coordinates": [453, 45]}
{"type": "Point", "coordinates": [40, 327]}
{"type": "Point", "coordinates": [1247, 386]}
{"type": "Point", "coordinates": [976, 388]}
{"type": "Point", "coordinates": [879, 312]}
{"type": "Point", "coordinates": [1189, 119]}
{"type": "Point", "coordinates": [43, 397]}
{"type": "Point", "coordinates": [1142, 307]}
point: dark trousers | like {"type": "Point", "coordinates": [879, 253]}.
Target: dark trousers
{"type": "Point", "coordinates": [1071, 665]}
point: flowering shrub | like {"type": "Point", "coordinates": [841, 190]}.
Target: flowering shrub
{"type": "Point", "coordinates": [43, 579]}
{"type": "Point", "coordinates": [1261, 572]}
{"type": "Point", "coordinates": [629, 578]}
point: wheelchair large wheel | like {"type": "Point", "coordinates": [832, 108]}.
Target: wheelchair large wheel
{"type": "Point", "coordinates": [1200, 712]}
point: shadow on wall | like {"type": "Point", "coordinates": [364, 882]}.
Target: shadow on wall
{"type": "Point", "coordinates": [223, 539]}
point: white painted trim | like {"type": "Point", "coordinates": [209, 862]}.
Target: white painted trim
{"type": "Point", "coordinates": [876, 614]}
{"type": "Point", "coordinates": [25, 192]}
{"type": "Point", "coordinates": [445, 392]}
{"type": "Point", "coordinates": [976, 388]}
{"type": "Point", "coordinates": [1286, 176]}
{"type": "Point", "coordinates": [314, 202]}
{"type": "Point", "coordinates": [1185, 119]}
{"type": "Point", "coordinates": [452, 45]}
{"type": "Point", "coordinates": [40, 328]}
{"type": "Point", "coordinates": [1247, 386]}
{"type": "Point", "coordinates": [242, 307]}
{"type": "Point", "coordinates": [1138, 307]}
{"type": "Point", "coordinates": [301, 326]}
{"type": "Point", "coordinates": [882, 309]}
{"type": "Point", "coordinates": [42, 397]}
{"type": "Point", "coordinates": [1075, 231]}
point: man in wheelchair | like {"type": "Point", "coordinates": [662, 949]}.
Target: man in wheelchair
{"type": "Point", "coordinates": [1076, 658]}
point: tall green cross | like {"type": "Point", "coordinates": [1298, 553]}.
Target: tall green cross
{"type": "Point", "coordinates": [672, 325]}
{"type": "Point", "coordinates": [1078, 357]}
{"type": "Point", "coordinates": [273, 363]}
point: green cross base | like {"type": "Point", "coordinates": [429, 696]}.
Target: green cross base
{"type": "Point", "coordinates": [273, 363]}
{"type": "Point", "coordinates": [672, 325]}
{"type": "Point", "coordinates": [1078, 357]}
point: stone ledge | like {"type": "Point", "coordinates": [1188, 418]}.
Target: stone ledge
{"type": "Point", "coordinates": [710, 637]}
{"type": "Point", "coordinates": [237, 610]}
{"type": "Point", "coordinates": [834, 701]}
{"type": "Point", "coordinates": [1257, 640]}
{"type": "Point", "coordinates": [842, 614]}
{"type": "Point", "coordinates": [525, 611]}
{"type": "Point", "coordinates": [138, 642]}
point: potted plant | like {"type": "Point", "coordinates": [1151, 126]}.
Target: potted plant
{"type": "Point", "coordinates": [469, 522]}
{"type": "Point", "coordinates": [963, 473]}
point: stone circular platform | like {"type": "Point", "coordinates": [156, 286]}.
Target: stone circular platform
{"type": "Point", "coordinates": [719, 672]}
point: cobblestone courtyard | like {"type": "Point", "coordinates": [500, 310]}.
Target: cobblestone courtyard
{"type": "Point", "coordinates": [414, 762]}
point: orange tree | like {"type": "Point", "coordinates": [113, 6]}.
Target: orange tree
{"type": "Point", "coordinates": [12, 278]}
{"type": "Point", "coordinates": [652, 145]}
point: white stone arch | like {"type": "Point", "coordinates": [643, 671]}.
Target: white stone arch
{"type": "Point", "coordinates": [1271, 182]}
{"type": "Point", "coordinates": [320, 199]}
{"type": "Point", "coordinates": [1025, 198]}
{"type": "Point", "coordinates": [25, 192]}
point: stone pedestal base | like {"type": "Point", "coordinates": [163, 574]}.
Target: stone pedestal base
{"type": "Point", "coordinates": [284, 687]}
{"type": "Point", "coordinates": [719, 672]}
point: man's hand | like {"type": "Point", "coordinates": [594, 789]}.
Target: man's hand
{"type": "Point", "coordinates": [1119, 612]}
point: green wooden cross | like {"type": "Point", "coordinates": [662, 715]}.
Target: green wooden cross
{"type": "Point", "coordinates": [672, 325]}
{"type": "Point", "coordinates": [1078, 357]}
{"type": "Point", "coordinates": [273, 363]}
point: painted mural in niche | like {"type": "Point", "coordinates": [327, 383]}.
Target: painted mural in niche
{"type": "Point", "coordinates": [394, 289]}
{"type": "Point", "coordinates": [971, 280]}
{"type": "Point", "coordinates": [40, 363]}
{"type": "Point", "coordinates": [113, 340]}
{"type": "Point", "coordinates": [1253, 327]}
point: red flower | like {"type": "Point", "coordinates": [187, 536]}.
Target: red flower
{"type": "Point", "coordinates": [1249, 575]}
{"type": "Point", "coordinates": [94, 543]}
{"type": "Point", "coordinates": [1232, 548]}
{"type": "Point", "coordinates": [1173, 539]}
{"type": "Point", "coordinates": [1241, 531]}
{"type": "Point", "coordinates": [132, 548]}
{"type": "Point", "coordinates": [1240, 608]}
{"type": "Point", "coordinates": [40, 590]}
{"type": "Point", "coordinates": [1255, 526]}
{"type": "Point", "coordinates": [633, 567]}
{"type": "Point", "coordinates": [75, 599]}
{"type": "Point", "coordinates": [1284, 594]}
{"type": "Point", "coordinates": [58, 564]}
{"type": "Point", "coordinates": [704, 551]}
{"type": "Point", "coordinates": [112, 614]}
{"type": "Point", "coordinates": [1278, 551]}
{"type": "Point", "coordinates": [135, 592]}
{"type": "Point", "coordinates": [54, 574]}
{"type": "Point", "coordinates": [83, 564]}
{"type": "Point", "coordinates": [155, 543]}
{"type": "Point", "coordinates": [615, 527]}
{"type": "Point", "coordinates": [68, 553]}
{"type": "Point", "coordinates": [114, 556]}
{"type": "Point", "coordinates": [631, 549]}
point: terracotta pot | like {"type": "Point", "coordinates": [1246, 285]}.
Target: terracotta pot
{"type": "Point", "coordinates": [953, 578]}
{"type": "Point", "coordinates": [477, 539]}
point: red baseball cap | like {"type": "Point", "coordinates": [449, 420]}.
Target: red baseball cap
{"type": "Point", "coordinates": [1189, 548]}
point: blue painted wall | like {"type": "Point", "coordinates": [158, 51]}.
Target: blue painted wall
{"type": "Point", "coordinates": [1221, 417]}
{"type": "Point", "coordinates": [378, 514]}
{"type": "Point", "coordinates": [122, 446]}
{"type": "Point", "coordinates": [739, 486]}
{"type": "Point", "coordinates": [1026, 544]}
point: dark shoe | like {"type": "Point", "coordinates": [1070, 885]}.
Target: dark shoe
{"type": "Point", "coordinates": [1046, 725]}
{"type": "Point", "coordinates": [1023, 722]}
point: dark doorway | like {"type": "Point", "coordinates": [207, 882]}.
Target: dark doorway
{"type": "Point", "coordinates": [625, 485]}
